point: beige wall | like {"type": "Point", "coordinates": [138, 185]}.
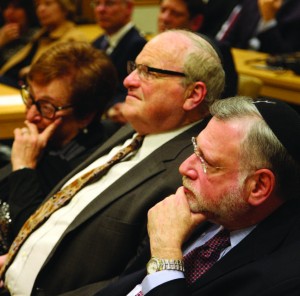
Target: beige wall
{"type": "Point", "coordinates": [144, 16]}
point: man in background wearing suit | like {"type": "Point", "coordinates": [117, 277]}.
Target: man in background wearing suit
{"type": "Point", "coordinates": [247, 190]}
{"type": "Point", "coordinates": [270, 26]}
{"type": "Point", "coordinates": [216, 13]}
{"type": "Point", "coordinates": [122, 42]}
{"type": "Point", "coordinates": [90, 241]}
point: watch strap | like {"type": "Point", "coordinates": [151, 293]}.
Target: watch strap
{"type": "Point", "coordinates": [171, 264]}
{"type": "Point", "coordinates": [158, 264]}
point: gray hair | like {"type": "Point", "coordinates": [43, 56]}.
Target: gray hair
{"type": "Point", "coordinates": [260, 147]}
{"type": "Point", "coordinates": [208, 67]}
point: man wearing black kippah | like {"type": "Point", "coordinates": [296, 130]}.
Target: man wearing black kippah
{"type": "Point", "coordinates": [234, 225]}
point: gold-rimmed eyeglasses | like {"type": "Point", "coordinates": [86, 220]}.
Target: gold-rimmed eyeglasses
{"type": "Point", "coordinates": [205, 165]}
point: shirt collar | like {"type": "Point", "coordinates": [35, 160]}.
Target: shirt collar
{"type": "Point", "coordinates": [114, 39]}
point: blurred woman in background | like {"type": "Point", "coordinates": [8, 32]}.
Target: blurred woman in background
{"type": "Point", "coordinates": [56, 20]}
{"type": "Point", "coordinates": [19, 25]}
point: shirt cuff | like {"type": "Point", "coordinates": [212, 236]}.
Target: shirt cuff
{"type": "Point", "coordinates": [153, 280]}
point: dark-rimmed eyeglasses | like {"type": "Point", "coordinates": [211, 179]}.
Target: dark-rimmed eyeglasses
{"type": "Point", "coordinates": [144, 70]}
{"type": "Point", "coordinates": [45, 108]}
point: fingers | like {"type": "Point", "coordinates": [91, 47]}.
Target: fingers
{"type": "Point", "coordinates": [31, 127]}
{"type": "Point", "coordinates": [50, 129]}
{"type": "Point", "coordinates": [24, 131]}
{"type": "Point", "coordinates": [45, 135]}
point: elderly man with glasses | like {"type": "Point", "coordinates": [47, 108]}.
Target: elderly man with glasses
{"type": "Point", "coordinates": [233, 227]}
{"type": "Point", "coordinates": [91, 239]}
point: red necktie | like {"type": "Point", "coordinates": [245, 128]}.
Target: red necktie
{"type": "Point", "coordinates": [202, 258]}
{"type": "Point", "coordinates": [63, 197]}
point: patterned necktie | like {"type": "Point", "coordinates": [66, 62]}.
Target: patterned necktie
{"type": "Point", "coordinates": [202, 258]}
{"type": "Point", "coordinates": [63, 197]}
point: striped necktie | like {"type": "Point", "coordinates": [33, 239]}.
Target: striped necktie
{"type": "Point", "coordinates": [63, 197]}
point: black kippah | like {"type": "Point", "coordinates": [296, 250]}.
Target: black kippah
{"type": "Point", "coordinates": [284, 121]}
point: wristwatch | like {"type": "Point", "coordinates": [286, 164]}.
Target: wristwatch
{"type": "Point", "coordinates": [158, 264]}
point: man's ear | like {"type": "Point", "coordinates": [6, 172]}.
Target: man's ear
{"type": "Point", "coordinates": [196, 22]}
{"type": "Point", "coordinates": [262, 184]}
{"type": "Point", "coordinates": [195, 94]}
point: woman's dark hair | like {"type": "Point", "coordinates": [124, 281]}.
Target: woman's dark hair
{"type": "Point", "coordinates": [27, 5]}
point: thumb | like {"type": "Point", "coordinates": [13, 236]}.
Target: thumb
{"type": "Point", "coordinates": [50, 129]}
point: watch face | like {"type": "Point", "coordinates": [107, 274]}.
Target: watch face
{"type": "Point", "coordinates": [153, 265]}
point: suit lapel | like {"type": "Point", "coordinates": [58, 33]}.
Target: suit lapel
{"type": "Point", "coordinates": [263, 240]}
{"type": "Point", "coordinates": [123, 43]}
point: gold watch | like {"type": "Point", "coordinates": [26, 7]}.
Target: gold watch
{"type": "Point", "coordinates": [158, 264]}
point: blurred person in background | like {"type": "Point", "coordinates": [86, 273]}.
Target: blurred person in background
{"type": "Point", "coordinates": [68, 89]}
{"type": "Point", "coordinates": [270, 26]}
{"type": "Point", "coordinates": [55, 17]}
{"type": "Point", "coordinates": [20, 24]}
{"type": "Point", "coordinates": [122, 41]}
{"type": "Point", "coordinates": [216, 14]}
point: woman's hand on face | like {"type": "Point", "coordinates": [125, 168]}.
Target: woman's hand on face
{"type": "Point", "coordinates": [29, 144]}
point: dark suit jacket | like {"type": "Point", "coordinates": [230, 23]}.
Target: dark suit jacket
{"type": "Point", "coordinates": [215, 15]}
{"type": "Point", "coordinates": [282, 38]}
{"type": "Point", "coordinates": [127, 50]}
{"type": "Point", "coordinates": [265, 263]}
{"type": "Point", "coordinates": [102, 239]}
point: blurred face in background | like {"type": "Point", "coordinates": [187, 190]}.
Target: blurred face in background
{"type": "Point", "coordinates": [112, 15]}
{"type": "Point", "coordinates": [50, 13]}
{"type": "Point", "coordinates": [173, 15]}
{"type": "Point", "coordinates": [15, 14]}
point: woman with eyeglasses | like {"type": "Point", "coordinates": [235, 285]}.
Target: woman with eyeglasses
{"type": "Point", "coordinates": [56, 20]}
{"type": "Point", "coordinates": [67, 92]}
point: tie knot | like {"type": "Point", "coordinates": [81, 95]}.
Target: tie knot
{"type": "Point", "coordinates": [216, 244]}
{"type": "Point", "coordinates": [137, 142]}
{"type": "Point", "coordinates": [220, 241]}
